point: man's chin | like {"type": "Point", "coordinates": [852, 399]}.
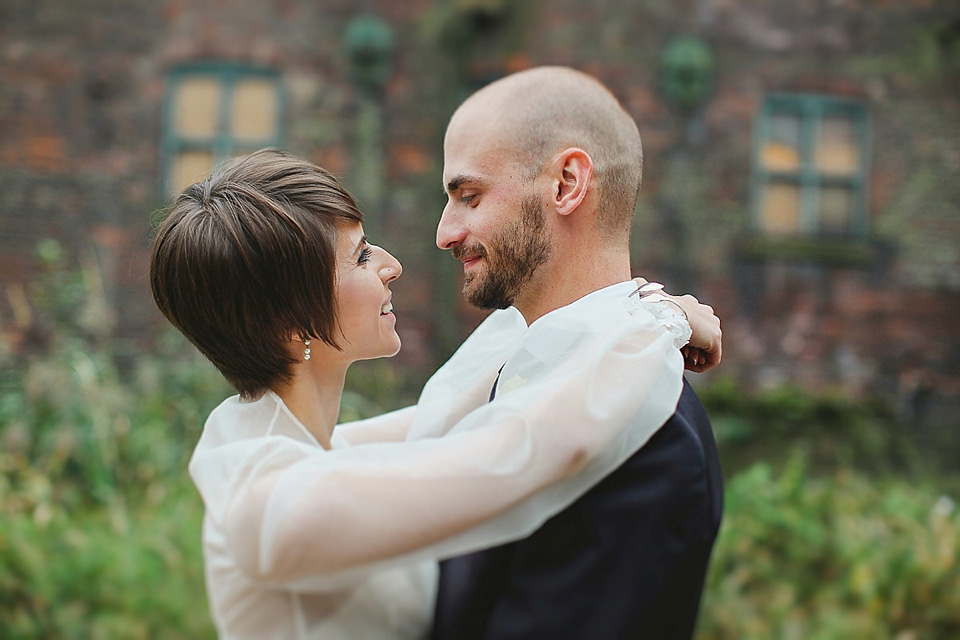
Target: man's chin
{"type": "Point", "coordinates": [485, 299]}
{"type": "Point", "coordinates": [472, 288]}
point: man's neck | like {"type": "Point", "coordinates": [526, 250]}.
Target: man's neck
{"type": "Point", "coordinates": [568, 278]}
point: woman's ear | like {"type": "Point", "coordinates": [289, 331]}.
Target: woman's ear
{"type": "Point", "coordinates": [573, 169]}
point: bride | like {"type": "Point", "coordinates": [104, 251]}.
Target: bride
{"type": "Point", "coordinates": [316, 532]}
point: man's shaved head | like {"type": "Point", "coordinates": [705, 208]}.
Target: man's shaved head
{"type": "Point", "coordinates": [545, 110]}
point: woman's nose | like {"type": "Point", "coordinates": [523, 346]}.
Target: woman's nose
{"type": "Point", "coordinates": [391, 268]}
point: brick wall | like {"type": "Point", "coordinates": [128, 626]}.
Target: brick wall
{"type": "Point", "coordinates": [81, 97]}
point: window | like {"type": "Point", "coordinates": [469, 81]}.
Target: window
{"type": "Point", "coordinates": [810, 166]}
{"type": "Point", "coordinates": [214, 112]}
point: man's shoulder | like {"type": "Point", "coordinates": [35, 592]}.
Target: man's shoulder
{"type": "Point", "coordinates": [683, 445]}
{"type": "Point", "coordinates": [679, 462]}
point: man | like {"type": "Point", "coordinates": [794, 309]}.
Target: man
{"type": "Point", "coordinates": [542, 171]}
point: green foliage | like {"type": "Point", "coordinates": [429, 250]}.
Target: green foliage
{"type": "Point", "coordinates": [97, 431]}
{"type": "Point", "coordinates": [101, 527]}
{"type": "Point", "coordinates": [100, 535]}
{"type": "Point", "coordinates": [112, 571]}
{"type": "Point", "coordinates": [834, 430]}
{"type": "Point", "coordinates": [375, 386]}
{"type": "Point", "coordinates": [844, 252]}
{"type": "Point", "coordinates": [844, 530]}
{"type": "Point", "coordinates": [839, 556]}
{"type": "Point", "coordinates": [936, 53]}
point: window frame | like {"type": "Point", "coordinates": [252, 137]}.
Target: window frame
{"type": "Point", "coordinates": [811, 110]}
{"type": "Point", "coordinates": [223, 143]}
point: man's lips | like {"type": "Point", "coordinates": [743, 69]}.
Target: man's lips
{"type": "Point", "coordinates": [470, 261]}
{"type": "Point", "coordinates": [469, 255]}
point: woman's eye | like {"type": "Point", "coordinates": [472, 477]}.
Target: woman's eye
{"type": "Point", "coordinates": [364, 255]}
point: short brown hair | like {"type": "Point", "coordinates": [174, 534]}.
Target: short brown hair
{"type": "Point", "coordinates": [247, 258]}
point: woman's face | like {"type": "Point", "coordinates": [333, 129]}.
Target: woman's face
{"type": "Point", "coordinates": [364, 272]}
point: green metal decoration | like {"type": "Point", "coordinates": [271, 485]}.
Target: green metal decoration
{"type": "Point", "coordinates": [369, 45]}
{"type": "Point", "coordinates": [686, 72]}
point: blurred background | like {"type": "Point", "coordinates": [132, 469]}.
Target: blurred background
{"type": "Point", "coordinates": [802, 176]}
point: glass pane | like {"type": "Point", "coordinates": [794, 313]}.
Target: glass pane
{"type": "Point", "coordinates": [780, 208]}
{"type": "Point", "coordinates": [197, 106]}
{"type": "Point", "coordinates": [835, 208]}
{"type": "Point", "coordinates": [781, 152]}
{"type": "Point", "coordinates": [836, 147]}
{"type": "Point", "coordinates": [254, 109]}
{"type": "Point", "coordinates": [189, 167]}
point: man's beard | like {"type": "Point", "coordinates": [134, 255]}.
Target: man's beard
{"type": "Point", "coordinates": [513, 257]}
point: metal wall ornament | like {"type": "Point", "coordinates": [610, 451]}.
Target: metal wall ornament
{"type": "Point", "coordinates": [686, 72]}
{"type": "Point", "coordinates": [369, 45]}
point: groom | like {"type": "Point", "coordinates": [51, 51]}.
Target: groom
{"type": "Point", "coordinates": [542, 170]}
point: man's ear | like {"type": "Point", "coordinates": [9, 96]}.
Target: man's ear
{"type": "Point", "coordinates": [573, 170]}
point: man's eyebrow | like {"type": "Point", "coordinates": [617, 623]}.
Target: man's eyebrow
{"type": "Point", "coordinates": [458, 181]}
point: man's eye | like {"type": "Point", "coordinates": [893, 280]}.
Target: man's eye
{"type": "Point", "coordinates": [364, 256]}
{"type": "Point", "coordinates": [467, 199]}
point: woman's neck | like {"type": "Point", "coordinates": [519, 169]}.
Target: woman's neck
{"type": "Point", "coordinates": [313, 396]}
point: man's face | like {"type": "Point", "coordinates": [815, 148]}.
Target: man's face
{"type": "Point", "coordinates": [494, 221]}
{"type": "Point", "coordinates": [511, 258]}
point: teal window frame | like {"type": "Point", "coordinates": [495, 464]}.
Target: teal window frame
{"type": "Point", "coordinates": [222, 144]}
{"type": "Point", "coordinates": [811, 110]}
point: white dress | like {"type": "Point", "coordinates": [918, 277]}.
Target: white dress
{"type": "Point", "coordinates": [306, 543]}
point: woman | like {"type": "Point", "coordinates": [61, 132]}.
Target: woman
{"type": "Point", "coordinates": [316, 533]}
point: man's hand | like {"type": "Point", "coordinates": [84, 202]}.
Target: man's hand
{"type": "Point", "coordinates": [704, 350]}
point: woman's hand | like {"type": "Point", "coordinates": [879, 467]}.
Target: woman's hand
{"type": "Point", "coordinates": [705, 347]}
{"type": "Point", "coordinates": [704, 350]}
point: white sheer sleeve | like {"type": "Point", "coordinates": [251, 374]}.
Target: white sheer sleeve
{"type": "Point", "coordinates": [391, 426]}
{"type": "Point", "coordinates": [670, 317]}
{"type": "Point", "coordinates": [583, 391]}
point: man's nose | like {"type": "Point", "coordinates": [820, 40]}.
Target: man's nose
{"type": "Point", "coordinates": [450, 231]}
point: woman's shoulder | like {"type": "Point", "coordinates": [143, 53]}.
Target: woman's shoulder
{"type": "Point", "coordinates": [244, 437]}
{"type": "Point", "coordinates": [236, 421]}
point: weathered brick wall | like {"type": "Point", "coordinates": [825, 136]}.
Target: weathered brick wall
{"type": "Point", "coordinates": [81, 88]}
{"type": "Point", "coordinates": [889, 325]}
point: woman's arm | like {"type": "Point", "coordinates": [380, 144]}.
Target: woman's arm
{"type": "Point", "coordinates": [387, 427]}
{"type": "Point", "coordinates": [312, 520]}
{"type": "Point", "coordinates": [701, 353]}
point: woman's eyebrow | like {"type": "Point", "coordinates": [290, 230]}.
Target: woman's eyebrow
{"type": "Point", "coordinates": [363, 241]}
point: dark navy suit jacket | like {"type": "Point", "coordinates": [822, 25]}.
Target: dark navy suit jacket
{"type": "Point", "coordinates": [625, 561]}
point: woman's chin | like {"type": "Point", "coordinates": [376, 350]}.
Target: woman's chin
{"type": "Point", "coordinates": [389, 350]}
{"type": "Point", "coordinates": [394, 351]}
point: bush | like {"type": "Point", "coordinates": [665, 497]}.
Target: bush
{"type": "Point", "coordinates": [833, 557]}
{"type": "Point", "coordinates": [100, 535]}
{"type": "Point", "coordinates": [101, 528]}
{"type": "Point", "coordinates": [108, 572]}
{"type": "Point", "coordinates": [835, 431]}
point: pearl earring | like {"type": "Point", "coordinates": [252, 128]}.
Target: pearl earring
{"type": "Point", "coordinates": [306, 350]}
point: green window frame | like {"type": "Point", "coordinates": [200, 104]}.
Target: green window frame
{"type": "Point", "coordinates": [213, 111]}
{"type": "Point", "coordinates": [810, 166]}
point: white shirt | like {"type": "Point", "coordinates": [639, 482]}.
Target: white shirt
{"type": "Point", "coordinates": [301, 542]}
